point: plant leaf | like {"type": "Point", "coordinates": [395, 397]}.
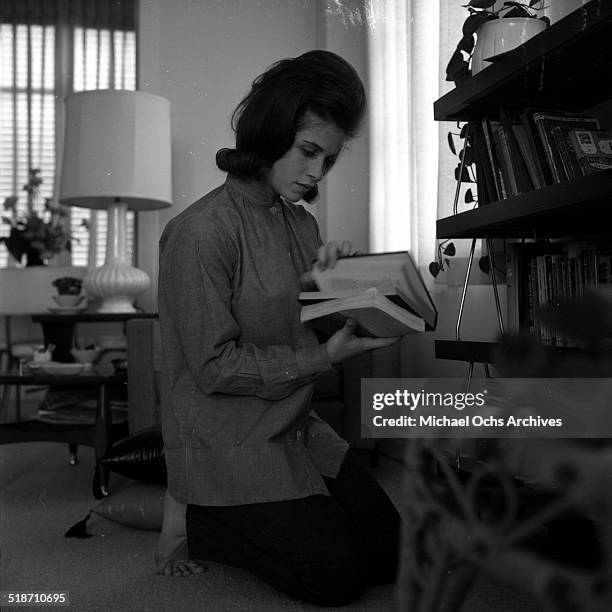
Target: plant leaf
{"type": "Point", "coordinates": [434, 268]}
{"type": "Point", "coordinates": [463, 132]}
{"type": "Point", "coordinates": [484, 264]}
{"type": "Point", "coordinates": [466, 43]}
{"type": "Point", "coordinates": [456, 66]}
{"type": "Point", "coordinates": [465, 175]}
{"type": "Point", "coordinates": [451, 144]}
{"type": "Point", "coordinates": [481, 4]}
{"type": "Point", "coordinates": [449, 249]}
{"type": "Point", "coordinates": [546, 20]}
{"type": "Point", "coordinates": [469, 197]}
{"type": "Point", "coordinates": [473, 22]}
{"type": "Point", "coordinates": [467, 155]}
{"type": "Point", "coordinates": [517, 11]}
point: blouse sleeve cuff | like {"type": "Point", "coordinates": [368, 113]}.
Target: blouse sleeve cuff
{"type": "Point", "coordinates": [313, 360]}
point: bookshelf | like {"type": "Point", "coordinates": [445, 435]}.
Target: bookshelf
{"type": "Point", "coordinates": [566, 67]}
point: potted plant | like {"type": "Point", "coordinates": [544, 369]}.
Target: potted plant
{"type": "Point", "coordinates": [488, 32]}
{"type": "Point", "coordinates": [40, 231]}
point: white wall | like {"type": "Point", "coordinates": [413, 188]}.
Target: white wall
{"type": "Point", "coordinates": [202, 56]}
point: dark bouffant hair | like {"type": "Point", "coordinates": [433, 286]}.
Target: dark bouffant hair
{"type": "Point", "coordinates": [267, 119]}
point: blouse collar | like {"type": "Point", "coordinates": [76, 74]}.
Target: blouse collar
{"type": "Point", "coordinates": [252, 191]}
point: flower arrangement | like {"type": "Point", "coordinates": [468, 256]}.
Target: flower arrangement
{"type": "Point", "coordinates": [36, 235]}
{"type": "Point", "coordinates": [479, 12]}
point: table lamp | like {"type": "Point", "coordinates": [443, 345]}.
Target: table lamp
{"type": "Point", "coordinates": [117, 156]}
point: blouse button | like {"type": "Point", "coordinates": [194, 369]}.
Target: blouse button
{"type": "Point", "coordinates": [298, 434]}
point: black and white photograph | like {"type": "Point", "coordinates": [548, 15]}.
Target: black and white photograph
{"type": "Point", "coordinates": [306, 304]}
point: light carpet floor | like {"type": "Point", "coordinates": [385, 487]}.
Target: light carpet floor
{"type": "Point", "coordinates": [41, 496]}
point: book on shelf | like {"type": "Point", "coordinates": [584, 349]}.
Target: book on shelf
{"type": "Point", "coordinates": [535, 145]}
{"type": "Point", "coordinates": [545, 123]}
{"type": "Point", "coordinates": [526, 148]}
{"type": "Point", "coordinates": [485, 170]}
{"type": "Point", "coordinates": [383, 292]}
{"type": "Point", "coordinates": [544, 274]}
{"type": "Point", "coordinates": [485, 180]}
{"type": "Point", "coordinates": [500, 144]}
{"type": "Point", "coordinates": [591, 149]}
{"type": "Point", "coordinates": [500, 186]}
{"type": "Point", "coordinates": [519, 165]}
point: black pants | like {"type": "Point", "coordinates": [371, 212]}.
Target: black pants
{"type": "Point", "coordinates": [323, 550]}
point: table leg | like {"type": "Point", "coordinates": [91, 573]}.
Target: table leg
{"type": "Point", "coordinates": [60, 333]}
{"type": "Point", "coordinates": [103, 438]}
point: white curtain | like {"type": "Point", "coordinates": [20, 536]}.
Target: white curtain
{"type": "Point", "coordinates": [411, 168]}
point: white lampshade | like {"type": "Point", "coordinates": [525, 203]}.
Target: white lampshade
{"type": "Point", "coordinates": [117, 145]}
{"type": "Point", "coordinates": [117, 155]}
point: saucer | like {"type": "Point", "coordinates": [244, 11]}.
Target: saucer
{"type": "Point", "coordinates": [68, 309]}
{"type": "Point", "coordinates": [55, 367]}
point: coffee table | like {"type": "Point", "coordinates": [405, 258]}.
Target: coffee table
{"type": "Point", "coordinates": [99, 434]}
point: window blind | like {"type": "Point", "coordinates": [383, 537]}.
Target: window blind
{"type": "Point", "coordinates": [47, 51]}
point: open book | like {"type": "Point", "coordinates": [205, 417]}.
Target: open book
{"type": "Point", "coordinates": [383, 292]}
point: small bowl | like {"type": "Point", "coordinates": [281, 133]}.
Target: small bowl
{"type": "Point", "coordinates": [86, 355]}
{"type": "Point", "coordinates": [57, 368]}
{"type": "Point", "coordinates": [120, 364]}
{"type": "Point", "coordinates": [68, 301]}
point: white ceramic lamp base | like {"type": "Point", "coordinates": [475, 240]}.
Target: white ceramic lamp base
{"type": "Point", "coordinates": [117, 283]}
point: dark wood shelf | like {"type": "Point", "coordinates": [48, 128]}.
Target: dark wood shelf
{"type": "Point", "coordinates": [565, 67]}
{"type": "Point", "coordinates": [581, 206]}
{"type": "Point", "coordinates": [490, 352]}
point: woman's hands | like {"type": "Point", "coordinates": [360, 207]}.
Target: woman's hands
{"type": "Point", "coordinates": [327, 257]}
{"type": "Point", "coordinates": [344, 343]}
{"type": "Point", "coordinates": [328, 254]}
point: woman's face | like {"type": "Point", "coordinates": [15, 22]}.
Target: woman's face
{"type": "Point", "coordinates": [315, 149]}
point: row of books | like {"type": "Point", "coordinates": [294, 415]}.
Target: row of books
{"type": "Point", "coordinates": [527, 149]}
{"type": "Point", "coordinates": [544, 274]}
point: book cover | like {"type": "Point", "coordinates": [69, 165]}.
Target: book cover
{"type": "Point", "coordinates": [503, 156]}
{"type": "Point", "coordinates": [500, 187]}
{"type": "Point", "coordinates": [569, 160]}
{"type": "Point", "coordinates": [383, 292]}
{"type": "Point", "coordinates": [376, 315]}
{"type": "Point", "coordinates": [531, 161]}
{"type": "Point", "coordinates": [545, 122]}
{"type": "Point", "coordinates": [592, 149]}
{"type": "Point", "coordinates": [390, 273]}
{"type": "Point", "coordinates": [483, 166]}
{"type": "Point", "coordinates": [519, 167]}
{"type": "Point", "coordinates": [535, 144]}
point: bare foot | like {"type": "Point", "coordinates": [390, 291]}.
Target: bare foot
{"type": "Point", "coordinates": [172, 555]}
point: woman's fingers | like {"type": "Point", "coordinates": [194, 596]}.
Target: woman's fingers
{"type": "Point", "coordinates": [346, 248]}
{"type": "Point", "coordinates": [328, 254]}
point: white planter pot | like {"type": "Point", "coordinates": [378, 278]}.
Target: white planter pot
{"type": "Point", "coordinates": [558, 9]}
{"type": "Point", "coordinates": [500, 35]}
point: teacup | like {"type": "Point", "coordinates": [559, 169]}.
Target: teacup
{"type": "Point", "coordinates": [67, 301]}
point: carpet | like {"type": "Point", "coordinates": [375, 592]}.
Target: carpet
{"type": "Point", "coordinates": [41, 496]}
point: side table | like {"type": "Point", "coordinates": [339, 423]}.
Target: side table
{"type": "Point", "coordinates": [58, 329]}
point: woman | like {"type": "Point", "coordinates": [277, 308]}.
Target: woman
{"type": "Point", "coordinates": [267, 484]}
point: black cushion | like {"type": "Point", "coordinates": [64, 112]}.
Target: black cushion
{"type": "Point", "coordinates": [140, 456]}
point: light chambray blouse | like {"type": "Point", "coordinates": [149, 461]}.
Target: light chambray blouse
{"type": "Point", "coordinates": [239, 366]}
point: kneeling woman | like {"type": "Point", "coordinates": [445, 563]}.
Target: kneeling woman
{"type": "Point", "coordinates": [268, 486]}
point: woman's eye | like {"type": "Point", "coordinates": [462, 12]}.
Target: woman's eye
{"type": "Point", "coordinates": [329, 162]}
{"type": "Point", "coordinates": [309, 152]}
